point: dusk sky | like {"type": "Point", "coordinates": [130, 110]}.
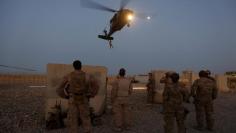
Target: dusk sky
{"type": "Point", "coordinates": [184, 34]}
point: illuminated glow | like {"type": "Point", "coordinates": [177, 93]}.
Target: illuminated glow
{"type": "Point", "coordinates": [139, 88]}
{"type": "Point", "coordinates": [37, 86]}
{"type": "Point", "coordinates": [148, 17]}
{"type": "Point", "coordinates": [130, 17]}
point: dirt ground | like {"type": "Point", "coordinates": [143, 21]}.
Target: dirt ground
{"type": "Point", "coordinates": [22, 111]}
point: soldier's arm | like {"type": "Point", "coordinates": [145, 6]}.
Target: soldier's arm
{"type": "Point", "coordinates": [62, 88]}
{"type": "Point", "coordinates": [64, 82]}
{"type": "Point", "coordinates": [114, 91]}
{"type": "Point", "coordinates": [93, 86]}
{"type": "Point", "coordinates": [186, 94]}
{"type": "Point", "coordinates": [165, 94]}
{"type": "Point", "coordinates": [215, 91]}
{"type": "Point", "coordinates": [130, 89]}
{"type": "Point", "coordinates": [194, 89]}
{"type": "Point", "coordinates": [87, 80]}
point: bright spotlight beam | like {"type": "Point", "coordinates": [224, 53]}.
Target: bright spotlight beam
{"type": "Point", "coordinates": [130, 17]}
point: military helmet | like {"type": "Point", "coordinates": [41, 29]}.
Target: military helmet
{"type": "Point", "coordinates": [122, 72]}
{"type": "Point", "coordinates": [203, 73]}
{"type": "Point", "coordinates": [169, 73]}
{"type": "Point", "coordinates": [77, 64]}
{"type": "Point", "coordinates": [174, 77]}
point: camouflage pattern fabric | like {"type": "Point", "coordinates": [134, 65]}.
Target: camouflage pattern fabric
{"type": "Point", "coordinates": [78, 108]}
{"type": "Point", "coordinates": [77, 82]}
{"type": "Point", "coordinates": [62, 89]}
{"type": "Point", "coordinates": [204, 91]}
{"type": "Point", "coordinates": [173, 98]}
{"type": "Point", "coordinates": [78, 102]}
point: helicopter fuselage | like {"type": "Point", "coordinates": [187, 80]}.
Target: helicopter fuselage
{"type": "Point", "coordinates": [119, 20]}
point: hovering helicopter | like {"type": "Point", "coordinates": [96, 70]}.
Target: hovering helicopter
{"type": "Point", "coordinates": [122, 17]}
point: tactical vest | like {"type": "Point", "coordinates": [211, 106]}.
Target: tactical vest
{"type": "Point", "coordinates": [172, 98]}
{"type": "Point", "coordinates": [77, 82]}
{"type": "Point", "coordinates": [205, 89]}
{"type": "Point", "coordinates": [123, 87]}
{"type": "Point", "coordinates": [174, 94]}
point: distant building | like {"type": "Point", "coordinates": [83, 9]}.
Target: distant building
{"type": "Point", "coordinates": [231, 73]}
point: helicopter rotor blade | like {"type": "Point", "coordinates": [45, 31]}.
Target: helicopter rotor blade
{"type": "Point", "coordinates": [123, 3]}
{"type": "Point", "coordinates": [19, 68]}
{"type": "Point", "coordinates": [94, 5]}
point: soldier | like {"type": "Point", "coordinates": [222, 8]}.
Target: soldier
{"type": "Point", "coordinates": [166, 80]}
{"type": "Point", "coordinates": [121, 91]}
{"type": "Point", "coordinates": [204, 91]}
{"type": "Point", "coordinates": [173, 97]}
{"type": "Point", "coordinates": [78, 105]}
{"type": "Point", "coordinates": [150, 89]}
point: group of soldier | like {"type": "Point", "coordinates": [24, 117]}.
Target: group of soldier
{"type": "Point", "coordinates": [203, 91]}
{"type": "Point", "coordinates": [77, 87]}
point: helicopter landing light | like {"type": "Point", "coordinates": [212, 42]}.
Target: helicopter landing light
{"type": "Point", "coordinates": [148, 17]}
{"type": "Point", "coordinates": [130, 17]}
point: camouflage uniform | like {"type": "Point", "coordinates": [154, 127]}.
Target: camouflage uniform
{"type": "Point", "coordinates": [78, 102]}
{"type": "Point", "coordinates": [173, 98]}
{"type": "Point", "coordinates": [121, 91]}
{"type": "Point", "coordinates": [204, 91]}
{"type": "Point", "coordinates": [150, 89]}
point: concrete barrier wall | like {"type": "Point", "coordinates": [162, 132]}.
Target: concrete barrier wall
{"type": "Point", "coordinates": [187, 78]}
{"type": "Point", "coordinates": [221, 81]}
{"type": "Point", "coordinates": [159, 87]}
{"type": "Point", "coordinates": [231, 82]}
{"type": "Point", "coordinates": [157, 75]}
{"type": "Point", "coordinates": [55, 74]}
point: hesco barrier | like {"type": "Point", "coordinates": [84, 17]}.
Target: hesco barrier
{"type": "Point", "coordinates": [231, 82]}
{"type": "Point", "coordinates": [224, 83]}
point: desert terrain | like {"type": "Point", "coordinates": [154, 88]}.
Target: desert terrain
{"type": "Point", "coordinates": [22, 111]}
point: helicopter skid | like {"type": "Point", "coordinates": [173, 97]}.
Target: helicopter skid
{"type": "Point", "coordinates": [105, 37]}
